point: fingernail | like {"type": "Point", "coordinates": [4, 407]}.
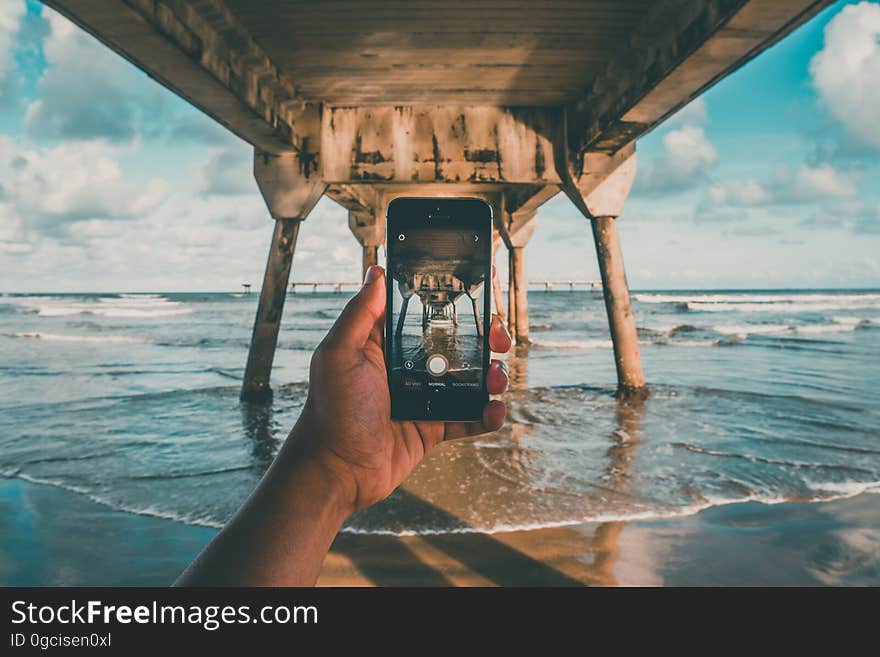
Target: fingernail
{"type": "Point", "coordinates": [373, 273]}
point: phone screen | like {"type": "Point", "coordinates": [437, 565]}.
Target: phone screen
{"type": "Point", "coordinates": [439, 278]}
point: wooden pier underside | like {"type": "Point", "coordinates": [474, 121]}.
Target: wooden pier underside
{"type": "Point", "coordinates": [510, 101]}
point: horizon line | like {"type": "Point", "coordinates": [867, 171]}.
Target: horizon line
{"type": "Point", "coordinates": [562, 289]}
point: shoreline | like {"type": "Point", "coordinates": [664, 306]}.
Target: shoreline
{"type": "Point", "coordinates": [52, 536]}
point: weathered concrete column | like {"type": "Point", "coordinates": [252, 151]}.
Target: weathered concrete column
{"type": "Point", "coordinates": [515, 230]}
{"type": "Point", "coordinates": [290, 192]}
{"type": "Point", "coordinates": [618, 306]}
{"type": "Point", "coordinates": [370, 258]}
{"type": "Point", "coordinates": [268, 321]}
{"type": "Point", "coordinates": [369, 230]}
{"type": "Point", "coordinates": [496, 282]}
{"type": "Point", "coordinates": [511, 294]}
{"type": "Point", "coordinates": [600, 192]}
{"type": "Point", "coordinates": [518, 294]}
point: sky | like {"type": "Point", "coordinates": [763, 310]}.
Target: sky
{"type": "Point", "coordinates": [109, 182]}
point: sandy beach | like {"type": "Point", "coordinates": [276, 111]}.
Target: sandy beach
{"type": "Point", "coordinates": [51, 536]}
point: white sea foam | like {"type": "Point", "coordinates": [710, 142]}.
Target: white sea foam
{"type": "Point", "coordinates": [843, 489]}
{"type": "Point", "coordinates": [103, 501]}
{"type": "Point", "coordinates": [838, 325]}
{"type": "Point", "coordinates": [624, 516]}
{"type": "Point", "coordinates": [663, 329]}
{"type": "Point", "coordinates": [782, 307]}
{"type": "Point", "coordinates": [811, 329]}
{"type": "Point", "coordinates": [862, 300]}
{"type": "Point", "coordinates": [579, 345]}
{"type": "Point", "coordinates": [752, 302]}
{"type": "Point", "coordinates": [828, 491]}
{"type": "Point", "coordinates": [754, 329]}
{"type": "Point", "coordinates": [131, 305]}
{"type": "Point", "coordinates": [689, 343]}
{"type": "Point", "coordinates": [854, 321]}
{"type": "Point", "coordinates": [55, 337]}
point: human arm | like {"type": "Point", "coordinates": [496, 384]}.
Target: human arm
{"type": "Point", "coordinates": [345, 453]}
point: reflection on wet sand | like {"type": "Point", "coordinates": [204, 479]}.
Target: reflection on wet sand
{"type": "Point", "coordinates": [628, 434]}
{"type": "Point", "coordinates": [553, 556]}
{"type": "Point", "coordinates": [518, 366]}
{"type": "Point", "coordinates": [257, 423]}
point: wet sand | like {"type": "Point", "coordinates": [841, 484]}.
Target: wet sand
{"type": "Point", "coordinates": [744, 544]}
{"type": "Point", "coordinates": [51, 536]}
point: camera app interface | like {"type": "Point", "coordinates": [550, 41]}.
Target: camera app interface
{"type": "Point", "coordinates": [438, 280]}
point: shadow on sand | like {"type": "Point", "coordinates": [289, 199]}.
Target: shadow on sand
{"type": "Point", "coordinates": [565, 556]}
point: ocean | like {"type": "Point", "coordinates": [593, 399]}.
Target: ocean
{"type": "Point", "coordinates": [131, 400]}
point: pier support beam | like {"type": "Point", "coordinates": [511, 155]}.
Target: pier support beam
{"type": "Point", "coordinates": [515, 220]}
{"type": "Point", "coordinates": [369, 230]}
{"type": "Point", "coordinates": [370, 258]}
{"type": "Point", "coordinates": [496, 283]}
{"type": "Point", "coordinates": [290, 194]}
{"type": "Point", "coordinates": [517, 294]}
{"type": "Point", "coordinates": [255, 387]}
{"type": "Point", "coordinates": [600, 192]}
{"type": "Point", "coordinates": [621, 322]}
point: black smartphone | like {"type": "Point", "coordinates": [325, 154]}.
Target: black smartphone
{"type": "Point", "coordinates": [438, 307]}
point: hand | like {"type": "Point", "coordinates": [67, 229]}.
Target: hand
{"type": "Point", "coordinates": [345, 453]}
{"type": "Point", "coordinates": [346, 424]}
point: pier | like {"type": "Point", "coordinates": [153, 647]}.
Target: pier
{"type": "Point", "coordinates": [345, 286]}
{"type": "Point", "coordinates": [513, 103]}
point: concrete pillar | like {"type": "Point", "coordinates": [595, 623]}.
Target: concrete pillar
{"type": "Point", "coordinates": [599, 190]}
{"type": "Point", "coordinates": [290, 191]}
{"type": "Point", "coordinates": [255, 387]}
{"type": "Point", "coordinates": [515, 229]}
{"type": "Point", "coordinates": [370, 258]}
{"type": "Point", "coordinates": [369, 230]}
{"type": "Point", "coordinates": [511, 294]}
{"type": "Point", "coordinates": [621, 322]}
{"type": "Point", "coordinates": [519, 285]}
{"type": "Point", "coordinates": [497, 299]}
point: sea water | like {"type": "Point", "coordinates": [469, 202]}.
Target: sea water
{"type": "Point", "coordinates": [132, 400]}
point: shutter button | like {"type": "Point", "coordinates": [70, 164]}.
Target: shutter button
{"type": "Point", "coordinates": [437, 365]}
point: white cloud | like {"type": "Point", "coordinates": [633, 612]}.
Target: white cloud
{"type": "Point", "coordinates": [689, 150]}
{"type": "Point", "coordinates": [822, 181]}
{"type": "Point", "coordinates": [736, 193]}
{"type": "Point", "coordinates": [694, 113]}
{"type": "Point", "coordinates": [846, 72]}
{"type": "Point", "coordinates": [86, 91]}
{"type": "Point", "coordinates": [806, 185]}
{"type": "Point", "coordinates": [190, 242]}
{"type": "Point", "coordinates": [50, 188]}
{"type": "Point", "coordinates": [11, 12]}
{"type": "Point", "coordinates": [228, 172]}
{"type": "Point", "coordinates": [688, 156]}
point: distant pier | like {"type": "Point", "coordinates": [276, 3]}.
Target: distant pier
{"type": "Point", "coordinates": [350, 286]}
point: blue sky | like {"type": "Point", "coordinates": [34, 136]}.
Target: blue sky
{"type": "Point", "coordinates": [110, 182]}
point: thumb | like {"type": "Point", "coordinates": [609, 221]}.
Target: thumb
{"type": "Point", "coordinates": [363, 315]}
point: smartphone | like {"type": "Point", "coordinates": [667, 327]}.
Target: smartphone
{"type": "Point", "coordinates": [439, 277]}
